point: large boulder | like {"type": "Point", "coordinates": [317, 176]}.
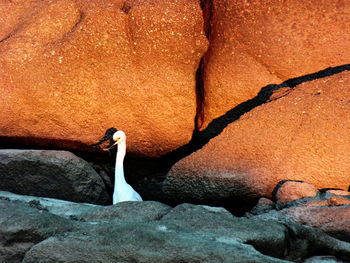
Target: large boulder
{"type": "Point", "coordinates": [301, 134]}
{"type": "Point", "coordinates": [70, 69]}
{"type": "Point", "coordinates": [56, 174]}
{"type": "Point", "coordinates": [256, 43]}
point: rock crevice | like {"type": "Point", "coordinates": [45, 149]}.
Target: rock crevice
{"type": "Point", "coordinates": [265, 95]}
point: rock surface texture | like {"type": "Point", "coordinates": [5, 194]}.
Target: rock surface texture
{"type": "Point", "coordinates": [320, 211]}
{"type": "Point", "coordinates": [186, 233]}
{"type": "Point", "coordinates": [334, 220]}
{"type": "Point", "coordinates": [301, 133]}
{"type": "Point", "coordinates": [71, 69]}
{"type": "Point", "coordinates": [56, 174]}
{"type": "Point", "coordinates": [287, 191]}
{"type": "Point", "coordinates": [255, 43]}
{"type": "Point", "coordinates": [273, 89]}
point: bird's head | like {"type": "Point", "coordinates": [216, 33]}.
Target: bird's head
{"type": "Point", "coordinates": [114, 137]}
{"type": "Point", "coordinates": [118, 137]}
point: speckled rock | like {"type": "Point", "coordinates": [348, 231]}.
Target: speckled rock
{"type": "Point", "coordinates": [301, 134]}
{"type": "Point", "coordinates": [60, 231]}
{"type": "Point", "coordinates": [293, 190]}
{"type": "Point", "coordinates": [70, 69]}
{"type": "Point", "coordinates": [334, 220]}
{"type": "Point", "coordinates": [339, 200]}
{"type": "Point", "coordinates": [56, 174]}
{"type": "Point", "coordinates": [323, 259]}
{"type": "Point", "coordinates": [338, 192]}
{"type": "Point", "coordinates": [256, 43]}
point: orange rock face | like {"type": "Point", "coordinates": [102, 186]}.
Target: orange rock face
{"type": "Point", "coordinates": [291, 190]}
{"type": "Point", "coordinates": [256, 43]}
{"type": "Point", "coordinates": [70, 69]}
{"type": "Point", "coordinates": [302, 134]}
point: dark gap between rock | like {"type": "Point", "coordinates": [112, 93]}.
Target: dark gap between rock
{"type": "Point", "coordinates": [215, 127]}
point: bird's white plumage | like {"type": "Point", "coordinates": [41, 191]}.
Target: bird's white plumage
{"type": "Point", "coordinates": [125, 193]}
{"type": "Point", "coordinates": [122, 190]}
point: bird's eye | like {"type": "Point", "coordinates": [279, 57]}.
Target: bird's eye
{"type": "Point", "coordinates": [117, 139]}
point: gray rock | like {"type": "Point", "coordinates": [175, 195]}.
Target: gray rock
{"type": "Point", "coordinates": [144, 243]}
{"type": "Point", "coordinates": [58, 207]}
{"type": "Point", "coordinates": [56, 174]}
{"type": "Point", "coordinates": [334, 220]}
{"type": "Point", "coordinates": [324, 259]}
{"type": "Point", "coordinates": [305, 240]}
{"type": "Point", "coordinates": [264, 205]}
{"type": "Point", "coordinates": [128, 212]}
{"type": "Point", "coordinates": [151, 232]}
{"type": "Point", "coordinates": [267, 237]}
{"type": "Point", "coordinates": [22, 226]}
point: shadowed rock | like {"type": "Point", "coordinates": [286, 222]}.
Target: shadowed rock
{"type": "Point", "coordinates": [56, 174]}
{"type": "Point", "coordinates": [22, 226]}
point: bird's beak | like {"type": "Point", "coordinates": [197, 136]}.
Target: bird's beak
{"type": "Point", "coordinates": [116, 142]}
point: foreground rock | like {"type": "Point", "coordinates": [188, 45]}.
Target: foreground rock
{"type": "Point", "coordinates": [56, 174]}
{"type": "Point", "coordinates": [67, 209]}
{"type": "Point", "coordinates": [152, 232]}
{"type": "Point", "coordinates": [328, 211]}
{"type": "Point", "coordinates": [253, 44]}
{"type": "Point", "coordinates": [22, 226]}
{"type": "Point", "coordinates": [151, 242]}
{"type": "Point", "coordinates": [334, 220]}
{"type": "Point", "coordinates": [301, 134]}
{"type": "Point", "coordinates": [324, 259]}
{"type": "Point", "coordinates": [101, 64]}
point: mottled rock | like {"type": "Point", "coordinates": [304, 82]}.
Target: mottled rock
{"type": "Point", "coordinates": [128, 211]}
{"type": "Point", "coordinates": [263, 205]}
{"type": "Point", "coordinates": [338, 192]}
{"type": "Point", "coordinates": [54, 206]}
{"type": "Point", "coordinates": [323, 259]}
{"type": "Point", "coordinates": [302, 134]}
{"type": "Point", "coordinates": [22, 226]}
{"type": "Point", "coordinates": [256, 43]}
{"type": "Point", "coordinates": [266, 233]}
{"type": "Point", "coordinates": [317, 240]}
{"type": "Point", "coordinates": [143, 242]}
{"type": "Point", "coordinates": [339, 200]}
{"type": "Point", "coordinates": [70, 69]}
{"type": "Point", "coordinates": [219, 221]}
{"type": "Point", "coordinates": [334, 220]}
{"type": "Point", "coordinates": [186, 233]}
{"type": "Point", "coordinates": [56, 174]}
{"type": "Point", "coordinates": [287, 191]}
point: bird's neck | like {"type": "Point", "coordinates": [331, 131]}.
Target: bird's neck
{"type": "Point", "coordinates": [119, 169]}
{"type": "Point", "coordinates": [121, 153]}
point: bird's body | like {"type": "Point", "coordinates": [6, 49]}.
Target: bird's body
{"type": "Point", "coordinates": [122, 190]}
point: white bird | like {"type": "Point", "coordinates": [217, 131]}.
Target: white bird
{"type": "Point", "coordinates": [122, 190]}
